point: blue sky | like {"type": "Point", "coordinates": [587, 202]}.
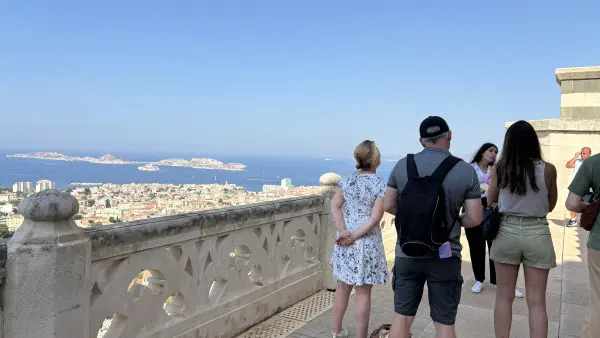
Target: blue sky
{"type": "Point", "coordinates": [281, 77]}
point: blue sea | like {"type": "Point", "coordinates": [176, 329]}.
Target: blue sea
{"type": "Point", "coordinates": [304, 171]}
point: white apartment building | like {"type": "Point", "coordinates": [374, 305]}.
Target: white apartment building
{"type": "Point", "coordinates": [44, 185]}
{"type": "Point", "coordinates": [23, 187]}
{"type": "Point", "coordinates": [286, 183]}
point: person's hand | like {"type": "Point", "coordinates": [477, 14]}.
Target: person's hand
{"type": "Point", "coordinates": [343, 236]}
{"type": "Point", "coordinates": [577, 154]}
{"type": "Point", "coordinates": [345, 239]}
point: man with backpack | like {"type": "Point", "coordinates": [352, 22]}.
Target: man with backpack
{"type": "Point", "coordinates": [426, 192]}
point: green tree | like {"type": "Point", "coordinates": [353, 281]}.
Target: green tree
{"type": "Point", "coordinates": [112, 219]}
{"type": "Point", "coordinates": [69, 190]}
{"type": "Point", "coordinates": [87, 191]}
{"type": "Point", "coordinates": [90, 203]}
{"type": "Point", "coordinates": [98, 224]}
{"type": "Point", "coordinates": [78, 217]}
{"type": "Point", "coordinates": [107, 203]}
{"type": "Point", "coordinates": [15, 203]}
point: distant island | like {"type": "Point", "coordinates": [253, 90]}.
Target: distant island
{"type": "Point", "coordinates": [149, 167]}
{"type": "Point", "coordinates": [52, 156]}
{"type": "Point", "coordinates": [197, 163]}
{"type": "Point", "coordinates": [201, 163]}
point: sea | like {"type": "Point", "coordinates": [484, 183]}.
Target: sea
{"type": "Point", "coordinates": [260, 170]}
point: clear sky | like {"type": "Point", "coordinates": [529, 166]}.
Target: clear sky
{"type": "Point", "coordinates": [281, 77]}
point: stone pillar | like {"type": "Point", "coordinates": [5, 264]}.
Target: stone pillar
{"type": "Point", "coordinates": [47, 266]}
{"type": "Point", "coordinates": [329, 183]}
{"type": "Point", "coordinates": [580, 93]}
{"type": "Point", "coordinates": [577, 127]}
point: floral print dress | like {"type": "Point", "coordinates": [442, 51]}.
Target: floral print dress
{"type": "Point", "coordinates": [363, 262]}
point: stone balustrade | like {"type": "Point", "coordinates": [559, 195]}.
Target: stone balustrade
{"type": "Point", "coordinates": [205, 274]}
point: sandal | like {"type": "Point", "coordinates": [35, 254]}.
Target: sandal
{"type": "Point", "coordinates": [382, 331]}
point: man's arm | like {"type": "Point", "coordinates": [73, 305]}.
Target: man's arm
{"type": "Point", "coordinates": [571, 162]}
{"type": "Point", "coordinates": [473, 215]}
{"type": "Point", "coordinates": [580, 185]}
{"type": "Point", "coordinates": [390, 199]}
{"type": "Point", "coordinates": [575, 202]}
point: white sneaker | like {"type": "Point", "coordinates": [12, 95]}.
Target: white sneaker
{"type": "Point", "coordinates": [341, 334]}
{"type": "Point", "coordinates": [518, 293]}
{"type": "Point", "coordinates": [477, 287]}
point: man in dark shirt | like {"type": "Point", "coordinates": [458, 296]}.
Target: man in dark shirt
{"type": "Point", "coordinates": [443, 276]}
{"type": "Point", "coordinates": [588, 177]}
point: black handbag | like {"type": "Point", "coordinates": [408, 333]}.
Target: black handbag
{"type": "Point", "coordinates": [491, 223]}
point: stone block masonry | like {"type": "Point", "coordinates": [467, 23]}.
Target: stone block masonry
{"type": "Point", "coordinates": [578, 126]}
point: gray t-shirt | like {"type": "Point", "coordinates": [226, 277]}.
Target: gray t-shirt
{"type": "Point", "coordinates": [460, 184]}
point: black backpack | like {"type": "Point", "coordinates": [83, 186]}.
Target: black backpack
{"type": "Point", "coordinates": [421, 210]}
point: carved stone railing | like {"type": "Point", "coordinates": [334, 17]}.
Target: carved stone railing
{"type": "Point", "coordinates": [209, 272]}
{"type": "Point", "coordinates": [205, 274]}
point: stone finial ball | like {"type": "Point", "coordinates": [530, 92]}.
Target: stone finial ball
{"type": "Point", "coordinates": [330, 179]}
{"type": "Point", "coordinates": [49, 205]}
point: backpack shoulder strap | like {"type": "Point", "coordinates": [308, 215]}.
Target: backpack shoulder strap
{"type": "Point", "coordinates": [411, 167]}
{"type": "Point", "coordinates": [444, 168]}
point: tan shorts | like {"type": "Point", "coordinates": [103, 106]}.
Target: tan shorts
{"type": "Point", "coordinates": [524, 240]}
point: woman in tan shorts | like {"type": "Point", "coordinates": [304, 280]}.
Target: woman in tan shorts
{"type": "Point", "coordinates": [524, 186]}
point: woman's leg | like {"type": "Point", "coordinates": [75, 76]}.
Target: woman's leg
{"type": "Point", "coordinates": [506, 278]}
{"type": "Point", "coordinates": [477, 251]}
{"type": "Point", "coordinates": [340, 304]}
{"type": "Point", "coordinates": [363, 310]}
{"type": "Point", "coordinates": [535, 284]}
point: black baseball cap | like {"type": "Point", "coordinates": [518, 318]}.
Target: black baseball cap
{"type": "Point", "coordinates": [433, 126]}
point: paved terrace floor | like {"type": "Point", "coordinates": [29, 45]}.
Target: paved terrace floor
{"type": "Point", "coordinates": [567, 298]}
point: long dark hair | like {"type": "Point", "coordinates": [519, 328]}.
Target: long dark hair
{"type": "Point", "coordinates": [521, 148]}
{"type": "Point", "coordinates": [479, 154]}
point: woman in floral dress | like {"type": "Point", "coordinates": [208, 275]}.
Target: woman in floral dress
{"type": "Point", "coordinates": [358, 259]}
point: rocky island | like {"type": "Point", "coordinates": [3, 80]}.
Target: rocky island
{"type": "Point", "coordinates": [197, 163]}
{"type": "Point", "coordinates": [201, 163]}
{"type": "Point", "coordinates": [53, 156]}
{"type": "Point", "coordinates": [149, 167]}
